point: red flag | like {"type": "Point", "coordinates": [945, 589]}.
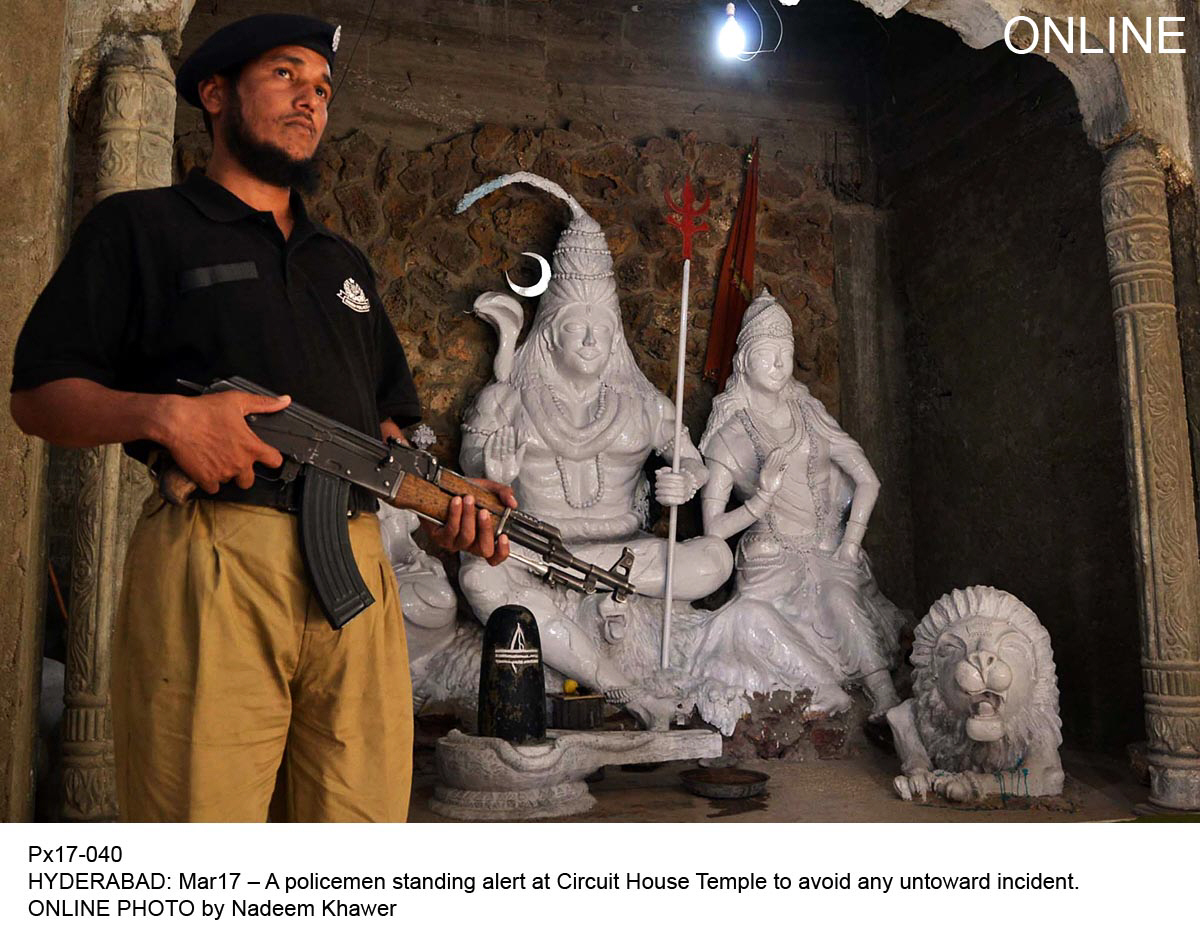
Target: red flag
{"type": "Point", "coordinates": [735, 288]}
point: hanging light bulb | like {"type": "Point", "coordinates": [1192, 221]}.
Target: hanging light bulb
{"type": "Point", "coordinates": [731, 40]}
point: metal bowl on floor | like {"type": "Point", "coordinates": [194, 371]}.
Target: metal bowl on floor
{"type": "Point", "coordinates": [724, 782]}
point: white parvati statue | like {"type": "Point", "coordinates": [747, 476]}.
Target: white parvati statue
{"type": "Point", "coordinates": [569, 423]}
{"type": "Point", "coordinates": [807, 613]}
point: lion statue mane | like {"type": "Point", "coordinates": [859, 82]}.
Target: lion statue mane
{"type": "Point", "coordinates": [983, 719]}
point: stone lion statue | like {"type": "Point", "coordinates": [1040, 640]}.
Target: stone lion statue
{"type": "Point", "coordinates": [983, 719]}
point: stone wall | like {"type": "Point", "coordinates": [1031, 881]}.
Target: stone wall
{"type": "Point", "coordinates": [431, 264]}
{"type": "Point", "coordinates": [423, 71]}
{"type": "Point", "coordinates": [31, 225]}
{"type": "Point", "coordinates": [1017, 459]}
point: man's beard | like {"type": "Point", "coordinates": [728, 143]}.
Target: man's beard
{"type": "Point", "coordinates": [266, 161]}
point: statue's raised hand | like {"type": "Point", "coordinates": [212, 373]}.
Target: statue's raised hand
{"type": "Point", "coordinates": [770, 479]}
{"type": "Point", "coordinates": [502, 456]}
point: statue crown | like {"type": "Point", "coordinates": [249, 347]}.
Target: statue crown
{"type": "Point", "coordinates": [765, 318]}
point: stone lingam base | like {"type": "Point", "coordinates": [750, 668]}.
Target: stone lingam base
{"type": "Point", "coordinates": [490, 780]}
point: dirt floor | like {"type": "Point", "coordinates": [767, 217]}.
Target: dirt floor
{"type": "Point", "coordinates": [854, 789]}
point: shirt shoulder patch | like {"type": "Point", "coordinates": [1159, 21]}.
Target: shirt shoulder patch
{"type": "Point", "coordinates": [352, 295]}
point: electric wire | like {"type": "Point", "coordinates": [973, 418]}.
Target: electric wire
{"type": "Point", "coordinates": [353, 49]}
{"type": "Point", "coordinates": [747, 56]}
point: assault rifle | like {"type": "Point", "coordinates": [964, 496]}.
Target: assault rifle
{"type": "Point", "coordinates": [327, 458]}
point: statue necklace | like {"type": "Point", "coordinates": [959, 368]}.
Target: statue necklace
{"type": "Point", "coordinates": [764, 443]}
{"type": "Point", "coordinates": [596, 432]}
{"type": "Point", "coordinates": [765, 440]}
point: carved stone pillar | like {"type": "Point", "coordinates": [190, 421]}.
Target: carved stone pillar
{"type": "Point", "coordinates": [137, 126]}
{"type": "Point", "coordinates": [1159, 467]}
{"type": "Point", "coordinates": [137, 120]}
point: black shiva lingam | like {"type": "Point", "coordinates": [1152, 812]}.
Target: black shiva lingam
{"type": "Point", "coordinates": [512, 686]}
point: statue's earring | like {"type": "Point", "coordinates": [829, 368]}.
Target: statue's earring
{"type": "Point", "coordinates": [537, 288]}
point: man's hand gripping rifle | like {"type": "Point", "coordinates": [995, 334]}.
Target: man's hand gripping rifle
{"type": "Point", "coordinates": [327, 458]}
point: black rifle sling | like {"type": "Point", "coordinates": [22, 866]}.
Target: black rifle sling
{"type": "Point", "coordinates": [325, 545]}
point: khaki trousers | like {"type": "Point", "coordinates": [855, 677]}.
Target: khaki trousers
{"type": "Point", "coordinates": [226, 673]}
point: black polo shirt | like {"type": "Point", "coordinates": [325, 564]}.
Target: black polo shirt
{"type": "Point", "coordinates": [191, 282]}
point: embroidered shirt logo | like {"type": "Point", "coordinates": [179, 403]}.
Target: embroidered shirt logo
{"type": "Point", "coordinates": [352, 295]}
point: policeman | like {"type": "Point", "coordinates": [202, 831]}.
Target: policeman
{"type": "Point", "coordinates": [225, 672]}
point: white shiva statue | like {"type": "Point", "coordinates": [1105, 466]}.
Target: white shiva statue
{"type": "Point", "coordinates": [569, 422]}
{"type": "Point", "coordinates": [806, 613]}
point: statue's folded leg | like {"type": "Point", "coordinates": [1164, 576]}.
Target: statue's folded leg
{"type": "Point", "coordinates": [861, 647]}
{"type": "Point", "coordinates": [702, 564]}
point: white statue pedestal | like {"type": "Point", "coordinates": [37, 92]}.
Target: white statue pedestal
{"type": "Point", "coordinates": [487, 779]}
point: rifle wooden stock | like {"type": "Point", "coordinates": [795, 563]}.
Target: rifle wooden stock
{"type": "Point", "coordinates": [433, 500]}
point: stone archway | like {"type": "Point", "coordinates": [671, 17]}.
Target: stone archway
{"type": "Point", "coordinates": [1144, 143]}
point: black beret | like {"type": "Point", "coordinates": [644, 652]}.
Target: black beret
{"type": "Point", "coordinates": [250, 37]}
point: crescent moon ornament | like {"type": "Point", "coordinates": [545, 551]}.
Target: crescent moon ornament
{"type": "Point", "coordinates": [543, 280]}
